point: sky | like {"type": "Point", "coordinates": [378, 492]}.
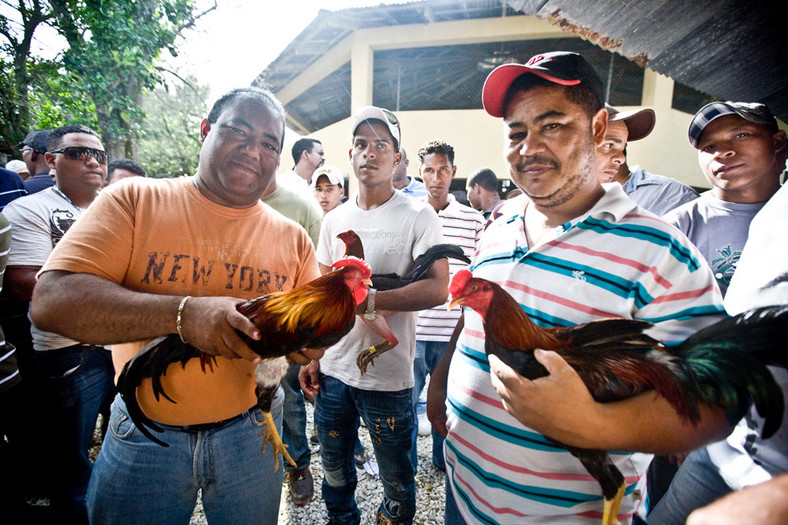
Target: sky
{"type": "Point", "coordinates": [232, 44]}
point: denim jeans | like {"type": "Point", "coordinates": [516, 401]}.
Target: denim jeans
{"type": "Point", "coordinates": [78, 383]}
{"type": "Point", "coordinates": [451, 514]}
{"type": "Point", "coordinates": [294, 421]}
{"type": "Point", "coordinates": [136, 481]}
{"type": "Point", "coordinates": [696, 484]}
{"type": "Point", "coordinates": [389, 419]}
{"type": "Point", "coordinates": [428, 355]}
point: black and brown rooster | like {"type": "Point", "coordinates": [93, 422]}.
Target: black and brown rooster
{"type": "Point", "coordinates": [722, 365]}
{"type": "Point", "coordinates": [389, 281]}
{"type": "Point", "coordinates": [316, 315]}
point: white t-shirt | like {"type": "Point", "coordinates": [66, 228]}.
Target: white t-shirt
{"type": "Point", "coordinates": [38, 222]}
{"type": "Point", "coordinates": [393, 235]}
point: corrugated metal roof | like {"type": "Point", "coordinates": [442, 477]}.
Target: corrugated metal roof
{"type": "Point", "coordinates": [729, 49]}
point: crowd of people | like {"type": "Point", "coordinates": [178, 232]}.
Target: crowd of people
{"type": "Point", "coordinates": [97, 260]}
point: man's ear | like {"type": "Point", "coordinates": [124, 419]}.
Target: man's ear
{"type": "Point", "coordinates": [779, 140]}
{"type": "Point", "coordinates": [205, 127]}
{"type": "Point", "coordinates": [453, 171]}
{"type": "Point", "coordinates": [50, 158]}
{"type": "Point", "coordinates": [599, 126]}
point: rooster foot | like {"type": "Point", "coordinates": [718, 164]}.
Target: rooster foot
{"type": "Point", "coordinates": [367, 357]}
{"type": "Point", "coordinates": [610, 512]}
{"type": "Point", "coordinates": [272, 436]}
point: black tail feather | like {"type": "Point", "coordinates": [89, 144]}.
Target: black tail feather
{"type": "Point", "coordinates": [151, 362]}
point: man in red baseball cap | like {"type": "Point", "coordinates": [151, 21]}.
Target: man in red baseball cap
{"type": "Point", "coordinates": [568, 251]}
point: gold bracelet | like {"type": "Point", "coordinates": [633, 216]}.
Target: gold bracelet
{"type": "Point", "coordinates": [179, 317]}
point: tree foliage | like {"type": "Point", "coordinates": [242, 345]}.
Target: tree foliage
{"type": "Point", "coordinates": [110, 61]}
{"type": "Point", "coordinates": [169, 141]}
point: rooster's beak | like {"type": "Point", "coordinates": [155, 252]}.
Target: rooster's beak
{"type": "Point", "coordinates": [368, 282]}
{"type": "Point", "coordinates": [457, 301]}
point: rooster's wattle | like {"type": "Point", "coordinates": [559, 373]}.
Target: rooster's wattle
{"type": "Point", "coordinates": [316, 315]}
{"type": "Point", "coordinates": [722, 365]}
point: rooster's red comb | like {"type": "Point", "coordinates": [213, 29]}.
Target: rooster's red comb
{"type": "Point", "coordinates": [366, 272]}
{"type": "Point", "coordinates": [458, 281]}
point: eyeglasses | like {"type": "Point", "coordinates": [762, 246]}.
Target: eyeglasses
{"type": "Point", "coordinates": [82, 154]}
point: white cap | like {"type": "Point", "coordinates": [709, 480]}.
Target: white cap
{"type": "Point", "coordinates": [333, 175]}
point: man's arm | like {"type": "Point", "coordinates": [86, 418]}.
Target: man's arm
{"type": "Point", "coordinates": [20, 281]}
{"type": "Point", "coordinates": [560, 406]}
{"type": "Point", "coordinates": [424, 293]}
{"type": "Point", "coordinates": [763, 503]}
{"type": "Point", "coordinates": [436, 392]}
{"type": "Point", "coordinates": [110, 313]}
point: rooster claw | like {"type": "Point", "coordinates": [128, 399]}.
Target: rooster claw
{"type": "Point", "coordinates": [272, 436]}
{"type": "Point", "coordinates": [367, 357]}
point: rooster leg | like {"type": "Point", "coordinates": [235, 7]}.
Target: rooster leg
{"type": "Point", "coordinates": [367, 357]}
{"type": "Point", "coordinates": [272, 436]}
{"type": "Point", "coordinates": [610, 512]}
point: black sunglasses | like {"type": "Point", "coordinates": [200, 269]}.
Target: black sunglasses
{"type": "Point", "coordinates": [82, 154]}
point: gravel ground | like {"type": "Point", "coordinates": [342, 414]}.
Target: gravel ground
{"type": "Point", "coordinates": [430, 490]}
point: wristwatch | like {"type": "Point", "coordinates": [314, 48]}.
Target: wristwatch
{"type": "Point", "coordinates": [371, 314]}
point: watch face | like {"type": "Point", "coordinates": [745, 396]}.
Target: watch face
{"type": "Point", "coordinates": [370, 317]}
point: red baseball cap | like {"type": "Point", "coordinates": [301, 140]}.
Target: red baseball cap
{"type": "Point", "coordinates": [561, 67]}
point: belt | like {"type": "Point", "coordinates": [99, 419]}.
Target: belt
{"type": "Point", "coordinates": [211, 426]}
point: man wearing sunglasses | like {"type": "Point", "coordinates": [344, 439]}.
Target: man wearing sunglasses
{"type": "Point", "coordinates": [33, 150]}
{"type": "Point", "coordinates": [75, 379]}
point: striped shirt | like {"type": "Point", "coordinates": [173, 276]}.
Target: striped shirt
{"type": "Point", "coordinates": [617, 261]}
{"type": "Point", "coordinates": [462, 225]}
{"type": "Point", "coordinates": [9, 373]}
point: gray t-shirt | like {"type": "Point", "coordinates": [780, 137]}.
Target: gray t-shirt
{"type": "Point", "coordinates": [719, 230]}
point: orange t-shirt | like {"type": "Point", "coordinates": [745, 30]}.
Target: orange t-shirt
{"type": "Point", "coordinates": [164, 236]}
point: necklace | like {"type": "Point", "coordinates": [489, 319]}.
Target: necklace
{"type": "Point", "coordinates": [59, 192]}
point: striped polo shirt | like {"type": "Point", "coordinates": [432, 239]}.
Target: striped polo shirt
{"type": "Point", "coordinates": [462, 225]}
{"type": "Point", "coordinates": [617, 261]}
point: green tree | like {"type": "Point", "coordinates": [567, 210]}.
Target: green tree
{"type": "Point", "coordinates": [110, 60]}
{"type": "Point", "coordinates": [169, 143]}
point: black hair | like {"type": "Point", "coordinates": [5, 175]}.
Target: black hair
{"type": "Point", "coordinates": [261, 95]}
{"type": "Point", "coordinates": [436, 146]}
{"type": "Point", "coordinates": [580, 94]}
{"type": "Point", "coordinates": [484, 177]}
{"type": "Point", "coordinates": [126, 164]}
{"type": "Point", "coordinates": [302, 145]}
{"type": "Point", "coordinates": [55, 139]}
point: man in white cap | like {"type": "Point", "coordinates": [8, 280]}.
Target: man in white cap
{"type": "Point", "coordinates": [394, 230]}
{"type": "Point", "coordinates": [656, 193]}
{"type": "Point", "coordinates": [328, 184]}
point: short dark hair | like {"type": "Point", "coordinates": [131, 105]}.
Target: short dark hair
{"type": "Point", "coordinates": [484, 177]}
{"type": "Point", "coordinates": [126, 164]}
{"type": "Point", "coordinates": [436, 146]}
{"type": "Point", "coordinates": [55, 139]}
{"type": "Point", "coordinates": [580, 94]}
{"type": "Point", "coordinates": [302, 145]}
{"type": "Point", "coordinates": [259, 94]}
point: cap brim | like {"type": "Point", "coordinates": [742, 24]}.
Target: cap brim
{"type": "Point", "coordinates": [640, 122]}
{"type": "Point", "coordinates": [501, 78]}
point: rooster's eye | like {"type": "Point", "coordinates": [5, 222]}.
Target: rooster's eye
{"type": "Point", "coordinates": [474, 288]}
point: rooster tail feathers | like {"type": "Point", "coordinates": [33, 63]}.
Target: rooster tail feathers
{"type": "Point", "coordinates": [729, 360]}
{"type": "Point", "coordinates": [439, 251]}
{"type": "Point", "coordinates": [152, 361]}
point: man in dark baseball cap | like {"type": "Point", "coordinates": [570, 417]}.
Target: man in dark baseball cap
{"type": "Point", "coordinates": [32, 149]}
{"type": "Point", "coordinates": [557, 250]}
{"type": "Point", "coordinates": [754, 112]}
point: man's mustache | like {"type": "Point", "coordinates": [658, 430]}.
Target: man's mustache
{"type": "Point", "coordinates": [538, 161]}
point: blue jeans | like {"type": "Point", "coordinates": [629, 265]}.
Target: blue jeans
{"type": "Point", "coordinates": [294, 421]}
{"type": "Point", "coordinates": [428, 355]}
{"type": "Point", "coordinates": [696, 484]}
{"type": "Point", "coordinates": [451, 514]}
{"type": "Point", "coordinates": [78, 384]}
{"type": "Point", "coordinates": [136, 481]}
{"type": "Point", "coordinates": [389, 419]}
